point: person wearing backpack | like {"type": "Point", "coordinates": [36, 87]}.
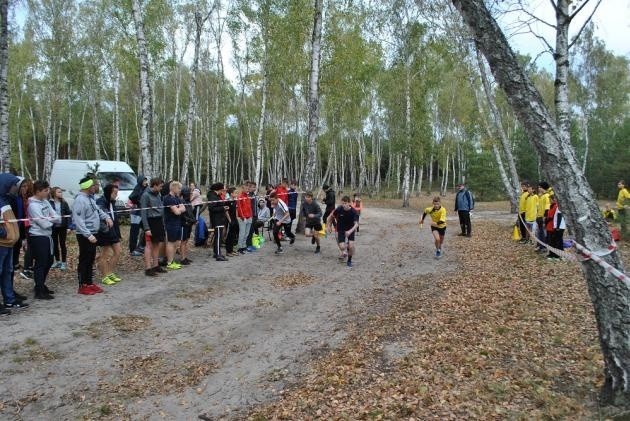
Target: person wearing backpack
{"type": "Point", "coordinates": [464, 204]}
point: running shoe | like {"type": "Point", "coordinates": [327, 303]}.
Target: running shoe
{"type": "Point", "coordinates": [16, 305]}
{"type": "Point", "coordinates": [185, 261]}
{"type": "Point", "coordinates": [85, 290]}
{"type": "Point", "coordinates": [173, 266]}
{"type": "Point", "coordinates": [63, 266]}
{"type": "Point", "coordinates": [95, 288]}
{"type": "Point", "coordinates": [438, 253]}
{"type": "Point", "coordinates": [108, 281]}
{"type": "Point", "coordinates": [114, 277]}
{"type": "Point", "coordinates": [317, 250]}
{"type": "Point", "coordinates": [279, 251]}
{"type": "Point", "coordinates": [349, 264]}
{"type": "Point", "coordinates": [292, 240]}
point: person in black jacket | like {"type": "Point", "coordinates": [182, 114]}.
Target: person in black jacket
{"type": "Point", "coordinates": [233, 230]}
{"type": "Point", "coordinates": [329, 201]}
{"type": "Point", "coordinates": [60, 230]}
{"type": "Point", "coordinates": [109, 240]}
{"type": "Point", "coordinates": [136, 248]}
{"type": "Point", "coordinates": [218, 208]}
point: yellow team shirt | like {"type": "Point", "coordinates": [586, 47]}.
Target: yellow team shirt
{"type": "Point", "coordinates": [521, 202]}
{"type": "Point", "coordinates": [622, 197]}
{"type": "Point", "coordinates": [544, 204]}
{"type": "Point", "coordinates": [437, 215]}
{"type": "Point", "coordinates": [531, 208]}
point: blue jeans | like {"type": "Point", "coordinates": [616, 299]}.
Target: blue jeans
{"type": "Point", "coordinates": [6, 274]}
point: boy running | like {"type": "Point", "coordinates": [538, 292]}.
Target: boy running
{"type": "Point", "coordinates": [312, 212]}
{"type": "Point", "coordinates": [437, 212]}
{"type": "Point", "coordinates": [282, 219]}
{"type": "Point", "coordinates": [347, 223]}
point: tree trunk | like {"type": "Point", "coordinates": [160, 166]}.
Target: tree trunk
{"type": "Point", "coordinates": [192, 101]}
{"type": "Point", "coordinates": [146, 133]}
{"type": "Point", "coordinates": [117, 118]}
{"type": "Point", "coordinates": [96, 130]}
{"type": "Point", "coordinates": [35, 152]}
{"type": "Point", "coordinates": [5, 145]}
{"type": "Point", "coordinates": [313, 98]}
{"type": "Point", "coordinates": [610, 296]}
{"type": "Point", "coordinates": [48, 146]}
{"type": "Point", "coordinates": [261, 130]}
{"type": "Point", "coordinates": [584, 123]}
{"type": "Point", "coordinates": [405, 195]}
{"type": "Point", "coordinates": [514, 191]}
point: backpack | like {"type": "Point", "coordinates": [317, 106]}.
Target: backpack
{"type": "Point", "coordinates": [201, 233]}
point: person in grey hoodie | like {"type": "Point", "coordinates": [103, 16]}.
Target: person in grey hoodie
{"type": "Point", "coordinates": [312, 213]}
{"type": "Point", "coordinates": [43, 217]}
{"type": "Point", "coordinates": [152, 213]}
{"type": "Point", "coordinates": [87, 218]}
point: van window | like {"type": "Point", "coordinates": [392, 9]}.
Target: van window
{"type": "Point", "coordinates": [125, 180]}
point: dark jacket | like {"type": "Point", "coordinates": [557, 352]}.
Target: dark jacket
{"type": "Point", "coordinates": [66, 214]}
{"type": "Point", "coordinates": [216, 210]}
{"type": "Point", "coordinates": [9, 233]}
{"type": "Point", "coordinates": [464, 201]}
{"type": "Point", "coordinates": [330, 200]}
{"type": "Point", "coordinates": [314, 209]}
{"type": "Point", "coordinates": [113, 234]}
{"type": "Point", "coordinates": [136, 194]}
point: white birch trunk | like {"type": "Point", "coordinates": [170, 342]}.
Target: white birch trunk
{"type": "Point", "coordinates": [35, 152]}
{"type": "Point", "coordinates": [192, 102]}
{"type": "Point", "coordinates": [261, 130]}
{"type": "Point", "coordinates": [48, 146]}
{"type": "Point", "coordinates": [146, 140]}
{"type": "Point", "coordinates": [117, 118]}
{"type": "Point", "coordinates": [313, 98]}
{"type": "Point", "coordinates": [5, 145]}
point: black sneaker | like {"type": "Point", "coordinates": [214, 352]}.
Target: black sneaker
{"type": "Point", "coordinates": [185, 261]}
{"type": "Point", "coordinates": [17, 305]}
{"type": "Point", "coordinates": [279, 251]}
{"type": "Point", "coordinates": [4, 311]}
{"type": "Point", "coordinates": [48, 291]}
{"type": "Point", "coordinates": [26, 274]}
{"type": "Point", "coordinates": [292, 240]}
{"type": "Point", "coordinates": [150, 272]}
{"type": "Point", "coordinates": [317, 250]}
{"type": "Point", "coordinates": [160, 269]}
{"type": "Point", "coordinates": [221, 258]}
{"type": "Point", "coordinates": [162, 262]}
{"type": "Point", "coordinates": [44, 296]}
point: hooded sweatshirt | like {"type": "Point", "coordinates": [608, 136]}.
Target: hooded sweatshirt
{"type": "Point", "coordinates": [312, 208]}
{"type": "Point", "coordinates": [86, 215]}
{"type": "Point", "coordinates": [9, 231]}
{"type": "Point", "coordinates": [151, 204]}
{"type": "Point", "coordinates": [43, 217]}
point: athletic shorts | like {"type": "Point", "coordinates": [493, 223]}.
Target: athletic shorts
{"type": "Point", "coordinates": [186, 232]}
{"type": "Point", "coordinates": [156, 226]}
{"type": "Point", "coordinates": [316, 227]}
{"type": "Point", "coordinates": [173, 232]}
{"type": "Point", "coordinates": [441, 231]}
{"type": "Point", "coordinates": [341, 236]}
{"type": "Point", "coordinates": [105, 239]}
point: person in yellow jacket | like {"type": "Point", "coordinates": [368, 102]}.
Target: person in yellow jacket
{"type": "Point", "coordinates": [541, 215]}
{"type": "Point", "coordinates": [521, 211]}
{"type": "Point", "coordinates": [437, 212]}
{"type": "Point", "coordinates": [531, 209]}
{"type": "Point", "coordinates": [622, 198]}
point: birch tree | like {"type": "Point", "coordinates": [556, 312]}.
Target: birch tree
{"type": "Point", "coordinates": [146, 128]}
{"type": "Point", "coordinates": [313, 98]}
{"type": "Point", "coordinates": [610, 296]}
{"type": "Point", "coordinates": [5, 146]}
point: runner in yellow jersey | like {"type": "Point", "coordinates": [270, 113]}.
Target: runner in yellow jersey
{"type": "Point", "coordinates": [543, 207]}
{"type": "Point", "coordinates": [622, 203]}
{"type": "Point", "coordinates": [437, 212]}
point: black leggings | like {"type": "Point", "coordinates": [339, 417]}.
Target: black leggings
{"type": "Point", "coordinates": [87, 255]}
{"type": "Point", "coordinates": [276, 233]}
{"type": "Point", "coordinates": [40, 247]}
{"type": "Point", "coordinates": [134, 232]}
{"type": "Point", "coordinates": [59, 243]}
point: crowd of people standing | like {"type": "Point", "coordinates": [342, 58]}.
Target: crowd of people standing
{"type": "Point", "coordinates": [163, 217]}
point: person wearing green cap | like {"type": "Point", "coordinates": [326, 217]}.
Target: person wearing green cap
{"type": "Point", "coordinates": [87, 217]}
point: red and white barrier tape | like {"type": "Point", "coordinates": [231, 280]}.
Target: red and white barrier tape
{"type": "Point", "coordinates": [140, 209]}
{"type": "Point", "coordinates": [586, 253]}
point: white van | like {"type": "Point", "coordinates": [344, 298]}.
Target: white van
{"type": "Point", "coordinates": [66, 174]}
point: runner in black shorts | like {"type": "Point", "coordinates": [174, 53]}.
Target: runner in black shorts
{"type": "Point", "coordinates": [437, 212]}
{"type": "Point", "coordinates": [347, 224]}
{"type": "Point", "coordinates": [312, 213]}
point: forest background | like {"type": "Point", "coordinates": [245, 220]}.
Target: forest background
{"type": "Point", "coordinates": [403, 107]}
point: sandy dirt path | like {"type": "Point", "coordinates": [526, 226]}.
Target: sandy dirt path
{"type": "Point", "coordinates": [214, 338]}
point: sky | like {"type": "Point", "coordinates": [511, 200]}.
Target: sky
{"type": "Point", "coordinates": [611, 19]}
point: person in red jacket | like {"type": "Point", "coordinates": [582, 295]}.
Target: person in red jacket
{"type": "Point", "coordinates": [282, 190]}
{"type": "Point", "coordinates": [244, 214]}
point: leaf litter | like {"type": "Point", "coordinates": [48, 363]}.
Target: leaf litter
{"type": "Point", "coordinates": [508, 335]}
